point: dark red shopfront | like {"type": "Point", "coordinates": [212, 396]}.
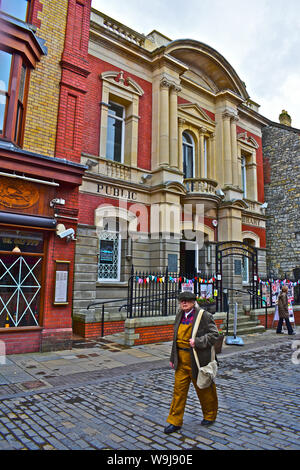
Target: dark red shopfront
{"type": "Point", "coordinates": [36, 264]}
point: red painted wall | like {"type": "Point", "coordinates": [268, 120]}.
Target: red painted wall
{"type": "Point", "coordinates": [261, 232]}
{"type": "Point", "coordinates": [93, 110]}
{"type": "Point", "coordinates": [259, 162]}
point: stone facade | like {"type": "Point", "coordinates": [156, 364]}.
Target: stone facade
{"type": "Point", "coordinates": [281, 148]}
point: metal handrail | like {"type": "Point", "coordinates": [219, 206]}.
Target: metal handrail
{"type": "Point", "coordinates": [251, 295]}
{"type": "Point", "coordinates": [103, 302]}
{"type": "Point", "coordinates": [158, 297]}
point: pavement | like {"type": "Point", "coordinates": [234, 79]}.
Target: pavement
{"type": "Point", "coordinates": [104, 395]}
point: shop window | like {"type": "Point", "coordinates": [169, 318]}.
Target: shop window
{"type": "Point", "coordinates": [21, 267]}
{"type": "Point", "coordinates": [115, 132]}
{"type": "Point", "coordinates": [188, 151]}
{"type": "Point", "coordinates": [17, 8]}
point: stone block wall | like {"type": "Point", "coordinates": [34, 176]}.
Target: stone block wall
{"type": "Point", "coordinates": [281, 149]}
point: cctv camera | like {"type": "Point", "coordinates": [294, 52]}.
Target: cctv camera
{"type": "Point", "coordinates": [59, 201]}
{"type": "Point", "coordinates": [67, 233]}
{"type": "Point", "coordinates": [145, 177]}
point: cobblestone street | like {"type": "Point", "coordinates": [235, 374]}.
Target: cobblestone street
{"type": "Point", "coordinates": [258, 408]}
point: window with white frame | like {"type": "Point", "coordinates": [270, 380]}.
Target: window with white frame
{"type": "Point", "coordinates": [109, 258]}
{"type": "Point", "coordinates": [244, 176]}
{"type": "Point", "coordinates": [245, 270]}
{"type": "Point", "coordinates": [115, 132]}
{"type": "Point", "coordinates": [188, 151]}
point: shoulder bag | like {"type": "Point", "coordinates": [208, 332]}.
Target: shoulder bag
{"type": "Point", "coordinates": [206, 374]}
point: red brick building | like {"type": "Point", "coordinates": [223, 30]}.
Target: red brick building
{"type": "Point", "coordinates": [168, 124]}
{"type": "Point", "coordinates": [43, 51]}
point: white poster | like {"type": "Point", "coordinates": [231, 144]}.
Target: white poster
{"type": "Point", "coordinates": [187, 288]}
{"type": "Point", "coordinates": [61, 287]}
{"type": "Point", "coordinates": [206, 291]}
{"type": "Point", "coordinates": [291, 314]}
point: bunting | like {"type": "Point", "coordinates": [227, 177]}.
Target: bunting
{"type": "Point", "coordinates": [281, 282]}
{"type": "Point", "coordinates": [162, 279]}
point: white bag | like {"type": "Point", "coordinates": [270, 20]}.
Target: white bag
{"type": "Point", "coordinates": [206, 374]}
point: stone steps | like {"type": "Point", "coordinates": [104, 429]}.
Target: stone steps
{"type": "Point", "coordinates": [244, 326]}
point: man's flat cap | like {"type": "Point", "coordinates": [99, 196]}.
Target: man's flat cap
{"type": "Point", "coordinates": [187, 296]}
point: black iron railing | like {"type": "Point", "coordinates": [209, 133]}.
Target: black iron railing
{"type": "Point", "coordinates": [155, 293]}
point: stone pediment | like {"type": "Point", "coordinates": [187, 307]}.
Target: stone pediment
{"type": "Point", "coordinates": [194, 110]}
{"type": "Point", "coordinates": [248, 140]}
{"type": "Point", "coordinates": [117, 79]}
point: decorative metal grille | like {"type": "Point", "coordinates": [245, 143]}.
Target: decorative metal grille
{"type": "Point", "coordinates": [19, 290]}
{"type": "Point", "coordinates": [109, 256]}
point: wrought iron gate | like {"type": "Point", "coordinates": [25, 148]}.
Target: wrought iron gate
{"type": "Point", "coordinates": [241, 252]}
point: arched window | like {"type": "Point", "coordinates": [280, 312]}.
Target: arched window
{"type": "Point", "coordinates": [188, 151]}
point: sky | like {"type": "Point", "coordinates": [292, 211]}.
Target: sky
{"type": "Point", "coordinates": [259, 38]}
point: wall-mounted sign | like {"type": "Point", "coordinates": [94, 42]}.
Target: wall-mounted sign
{"type": "Point", "coordinates": [24, 197]}
{"type": "Point", "coordinates": [61, 281]}
{"type": "Point", "coordinates": [237, 267]}
{"type": "Point", "coordinates": [172, 262]}
{"type": "Point", "coordinates": [16, 194]}
{"type": "Point", "coordinates": [247, 220]}
{"type": "Point", "coordinates": [107, 251]}
{"type": "Point", "coordinates": [121, 193]}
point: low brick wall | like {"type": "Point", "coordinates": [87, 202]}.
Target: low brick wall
{"type": "Point", "coordinates": [56, 339]}
{"type": "Point", "coordinates": [260, 314]}
{"type": "Point", "coordinates": [35, 339]}
{"type": "Point", "coordinates": [88, 323]}
{"type": "Point", "coordinates": [21, 340]}
{"type": "Point", "coordinates": [148, 330]}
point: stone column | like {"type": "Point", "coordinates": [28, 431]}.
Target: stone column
{"type": "Point", "coordinates": [164, 123]}
{"type": "Point", "coordinates": [180, 155]}
{"type": "Point", "coordinates": [252, 178]}
{"type": "Point", "coordinates": [173, 121]}
{"type": "Point", "coordinates": [227, 148]}
{"type": "Point", "coordinates": [235, 172]}
{"type": "Point", "coordinates": [201, 173]}
{"type": "Point", "coordinates": [211, 154]}
{"type": "Point", "coordinates": [104, 118]}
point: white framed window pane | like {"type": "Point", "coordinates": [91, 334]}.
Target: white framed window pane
{"type": "Point", "coordinates": [114, 139]}
{"type": "Point", "coordinates": [245, 270]}
{"type": "Point", "coordinates": [115, 132]}
{"type": "Point", "coordinates": [188, 161]}
{"type": "Point", "coordinates": [188, 155]}
{"type": "Point", "coordinates": [116, 110]}
{"type": "Point", "coordinates": [16, 8]}
{"type": "Point", "coordinates": [5, 65]}
{"type": "Point", "coordinates": [244, 177]}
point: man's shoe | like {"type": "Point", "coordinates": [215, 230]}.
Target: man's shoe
{"type": "Point", "coordinates": [293, 333]}
{"type": "Point", "coordinates": [171, 428]}
{"type": "Point", "coordinates": [206, 422]}
{"type": "Point", "coordinates": [279, 333]}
